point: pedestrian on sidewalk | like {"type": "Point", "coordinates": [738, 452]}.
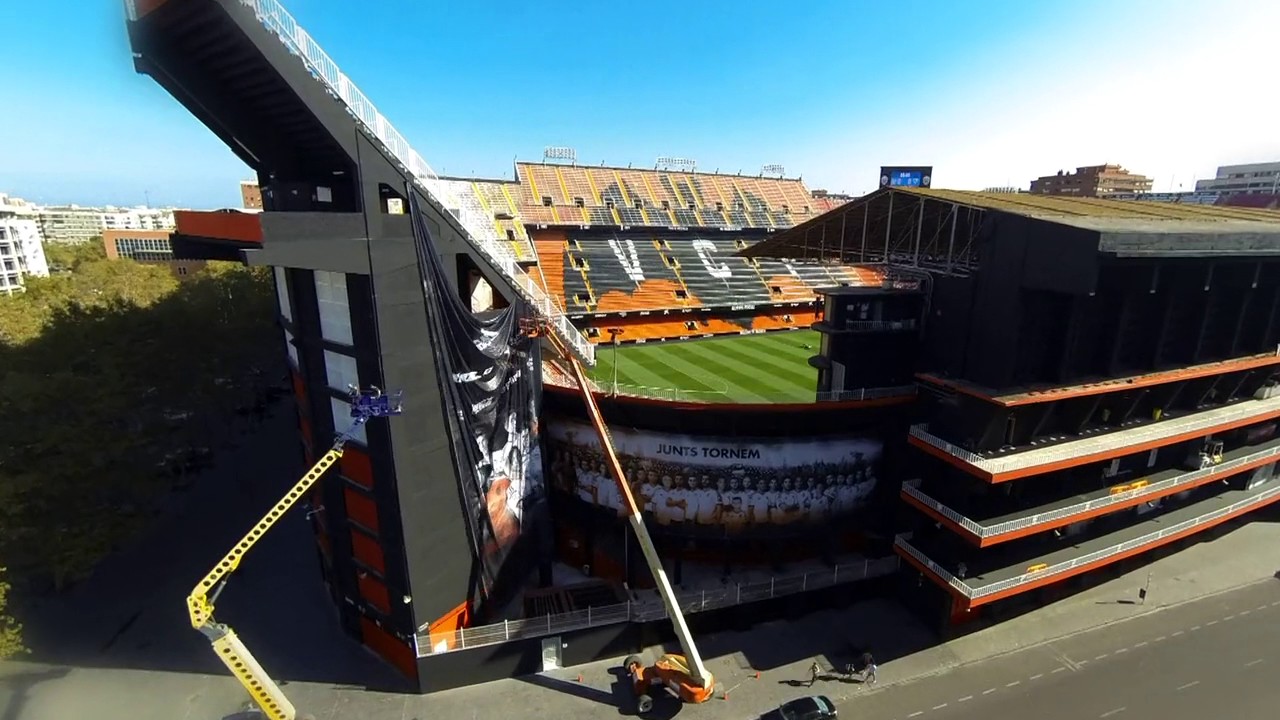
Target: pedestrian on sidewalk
{"type": "Point", "coordinates": [869, 671]}
{"type": "Point", "coordinates": [814, 669]}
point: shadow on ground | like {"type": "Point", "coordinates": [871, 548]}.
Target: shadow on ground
{"type": "Point", "coordinates": [131, 612]}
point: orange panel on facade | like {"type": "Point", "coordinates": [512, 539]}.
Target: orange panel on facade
{"type": "Point", "coordinates": [391, 648]}
{"type": "Point", "coordinates": [241, 227]}
{"type": "Point", "coordinates": [361, 509]}
{"type": "Point", "coordinates": [374, 591]}
{"type": "Point", "coordinates": [368, 551]}
{"type": "Point", "coordinates": [356, 467]}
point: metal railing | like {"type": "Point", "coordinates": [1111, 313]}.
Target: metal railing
{"type": "Point", "coordinates": [478, 229]}
{"type": "Point", "coordinates": [877, 325]}
{"type": "Point", "coordinates": [1103, 441]}
{"type": "Point", "coordinates": [911, 487]}
{"type": "Point", "coordinates": [604, 387]}
{"type": "Point", "coordinates": [651, 609]}
{"type": "Point", "coordinates": [972, 593]}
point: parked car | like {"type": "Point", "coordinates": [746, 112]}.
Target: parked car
{"type": "Point", "coordinates": [814, 707]}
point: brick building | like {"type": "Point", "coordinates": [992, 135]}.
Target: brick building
{"type": "Point", "coordinates": [1092, 181]}
{"type": "Point", "coordinates": [148, 246]}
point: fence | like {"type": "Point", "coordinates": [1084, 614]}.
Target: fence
{"type": "Point", "coordinates": [973, 593]}
{"type": "Point", "coordinates": [478, 229]}
{"type": "Point", "coordinates": [651, 608]}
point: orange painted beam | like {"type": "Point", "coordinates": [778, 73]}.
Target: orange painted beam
{"type": "Point", "coordinates": [1108, 386]}
{"type": "Point", "coordinates": [966, 602]}
{"type": "Point", "coordinates": [995, 478]}
{"type": "Point", "coordinates": [1079, 517]}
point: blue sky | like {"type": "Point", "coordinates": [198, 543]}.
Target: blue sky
{"type": "Point", "coordinates": [991, 93]}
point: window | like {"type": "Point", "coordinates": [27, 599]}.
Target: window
{"type": "Point", "coordinates": [342, 420]}
{"type": "Point", "coordinates": [182, 270]}
{"type": "Point", "coordinates": [282, 293]}
{"type": "Point", "coordinates": [335, 312]}
{"type": "Point", "coordinates": [340, 371]}
{"type": "Point", "coordinates": [291, 349]}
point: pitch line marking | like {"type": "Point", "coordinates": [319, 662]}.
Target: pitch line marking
{"type": "Point", "coordinates": [1179, 633]}
{"type": "Point", "coordinates": [1122, 650]}
{"type": "Point", "coordinates": [1162, 637]}
{"type": "Point", "coordinates": [1141, 644]}
{"type": "Point", "coordinates": [1245, 612]}
{"type": "Point", "coordinates": [916, 713]}
{"type": "Point", "coordinates": [1230, 617]}
{"type": "Point", "coordinates": [1099, 657]}
{"type": "Point", "coordinates": [1011, 684]}
{"type": "Point", "coordinates": [1058, 670]}
{"type": "Point", "coordinates": [1211, 623]}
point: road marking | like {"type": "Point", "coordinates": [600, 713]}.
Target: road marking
{"type": "Point", "coordinates": [966, 698]}
{"type": "Point", "coordinates": [914, 714]}
{"type": "Point", "coordinates": [1037, 676]}
{"type": "Point", "coordinates": [1277, 602]}
{"type": "Point", "coordinates": [1245, 612]}
{"type": "Point", "coordinates": [1211, 623]}
{"type": "Point", "coordinates": [1011, 684]}
{"type": "Point", "coordinates": [939, 707]}
{"type": "Point", "coordinates": [1081, 664]}
{"type": "Point", "coordinates": [1179, 632]}
{"type": "Point", "coordinates": [1099, 657]}
{"type": "Point", "coordinates": [1058, 670]}
{"type": "Point", "coordinates": [1263, 606]}
{"type": "Point", "coordinates": [1162, 637]}
{"type": "Point", "coordinates": [1191, 684]}
{"type": "Point", "coordinates": [1197, 627]}
{"type": "Point", "coordinates": [1251, 663]}
{"type": "Point", "coordinates": [988, 691]}
{"type": "Point", "coordinates": [1229, 617]}
{"type": "Point", "coordinates": [1122, 650]}
{"type": "Point", "coordinates": [1141, 644]}
{"type": "Point", "coordinates": [1109, 713]}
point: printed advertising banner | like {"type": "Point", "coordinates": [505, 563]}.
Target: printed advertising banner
{"type": "Point", "coordinates": [491, 383]}
{"type": "Point", "coordinates": [728, 484]}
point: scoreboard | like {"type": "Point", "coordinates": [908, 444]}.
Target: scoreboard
{"type": "Point", "coordinates": [906, 176]}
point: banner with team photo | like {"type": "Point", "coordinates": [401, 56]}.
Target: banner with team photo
{"type": "Point", "coordinates": [725, 484]}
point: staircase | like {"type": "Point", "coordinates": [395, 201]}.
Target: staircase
{"type": "Point", "coordinates": [477, 226]}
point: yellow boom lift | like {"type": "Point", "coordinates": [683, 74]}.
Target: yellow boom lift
{"type": "Point", "coordinates": [230, 649]}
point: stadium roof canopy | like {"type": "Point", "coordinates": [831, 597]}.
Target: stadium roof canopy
{"type": "Point", "coordinates": [940, 229]}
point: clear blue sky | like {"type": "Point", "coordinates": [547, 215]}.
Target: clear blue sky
{"type": "Point", "coordinates": [990, 92]}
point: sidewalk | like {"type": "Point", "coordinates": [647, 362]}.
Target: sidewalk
{"type": "Point", "coordinates": [780, 652]}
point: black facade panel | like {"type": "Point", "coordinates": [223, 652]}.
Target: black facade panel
{"type": "Point", "coordinates": [995, 317]}
{"type": "Point", "coordinates": [316, 241]}
{"type": "Point", "coordinates": [436, 551]}
{"type": "Point", "coordinates": [1059, 258]}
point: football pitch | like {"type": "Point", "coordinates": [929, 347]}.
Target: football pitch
{"type": "Point", "coordinates": [770, 368]}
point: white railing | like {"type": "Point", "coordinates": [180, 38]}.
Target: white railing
{"type": "Point", "coordinates": [651, 609]}
{"type": "Point", "coordinates": [605, 387]}
{"type": "Point", "coordinates": [1062, 567]}
{"type": "Point", "coordinates": [1085, 446]}
{"type": "Point", "coordinates": [911, 487]}
{"type": "Point", "coordinates": [479, 230]}
{"type": "Point", "coordinates": [876, 325]}
{"type": "Point", "coordinates": [1128, 544]}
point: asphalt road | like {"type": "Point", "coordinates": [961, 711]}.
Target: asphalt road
{"type": "Point", "coordinates": [1216, 657]}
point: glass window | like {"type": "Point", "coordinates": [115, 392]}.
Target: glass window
{"type": "Point", "coordinates": [335, 313]}
{"type": "Point", "coordinates": [290, 348]}
{"type": "Point", "coordinates": [282, 294]}
{"type": "Point", "coordinates": [340, 371]}
{"type": "Point", "coordinates": [342, 420]}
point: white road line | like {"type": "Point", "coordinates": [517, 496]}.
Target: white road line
{"type": "Point", "coordinates": [1109, 713]}
{"type": "Point", "coordinates": [1245, 612]}
{"type": "Point", "coordinates": [1162, 637]}
{"type": "Point", "coordinates": [1277, 602]}
{"type": "Point", "coordinates": [1058, 670]}
{"type": "Point", "coordinates": [1011, 684]}
{"type": "Point", "coordinates": [1263, 606]}
{"type": "Point", "coordinates": [1037, 676]}
{"type": "Point", "coordinates": [1230, 617]}
{"type": "Point", "coordinates": [1122, 650]}
{"type": "Point", "coordinates": [1193, 629]}
{"type": "Point", "coordinates": [1099, 657]}
{"type": "Point", "coordinates": [1178, 633]}
{"type": "Point", "coordinates": [966, 698]}
{"type": "Point", "coordinates": [939, 707]}
{"type": "Point", "coordinates": [1251, 663]}
{"type": "Point", "coordinates": [1081, 664]}
{"type": "Point", "coordinates": [1141, 644]}
{"type": "Point", "coordinates": [916, 713]}
{"type": "Point", "coordinates": [1211, 623]}
{"type": "Point", "coordinates": [988, 691]}
{"type": "Point", "coordinates": [1191, 684]}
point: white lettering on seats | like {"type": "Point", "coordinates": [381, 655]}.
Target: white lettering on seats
{"type": "Point", "coordinates": [705, 249]}
{"type": "Point", "coordinates": [630, 265]}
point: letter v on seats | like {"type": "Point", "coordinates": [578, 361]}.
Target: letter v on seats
{"type": "Point", "coordinates": [630, 260]}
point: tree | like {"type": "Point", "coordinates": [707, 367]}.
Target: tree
{"type": "Point", "coordinates": [10, 629]}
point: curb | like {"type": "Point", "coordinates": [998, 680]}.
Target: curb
{"type": "Point", "coordinates": [942, 669]}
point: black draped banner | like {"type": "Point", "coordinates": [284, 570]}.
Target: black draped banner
{"type": "Point", "coordinates": [491, 383]}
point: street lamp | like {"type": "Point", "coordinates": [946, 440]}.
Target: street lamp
{"type": "Point", "coordinates": [614, 332]}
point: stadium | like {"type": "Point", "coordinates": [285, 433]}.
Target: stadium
{"type": "Point", "coordinates": [971, 402]}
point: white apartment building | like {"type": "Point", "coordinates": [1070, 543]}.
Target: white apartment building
{"type": "Point", "coordinates": [1251, 179]}
{"type": "Point", "coordinates": [76, 224]}
{"type": "Point", "coordinates": [21, 249]}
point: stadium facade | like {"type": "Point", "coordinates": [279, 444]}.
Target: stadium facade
{"type": "Point", "coordinates": [994, 369]}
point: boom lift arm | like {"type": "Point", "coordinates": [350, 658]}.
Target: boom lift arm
{"type": "Point", "coordinates": [701, 681]}
{"type": "Point", "coordinates": [230, 649]}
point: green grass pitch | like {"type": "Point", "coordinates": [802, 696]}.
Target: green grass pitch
{"type": "Point", "coordinates": [770, 368]}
